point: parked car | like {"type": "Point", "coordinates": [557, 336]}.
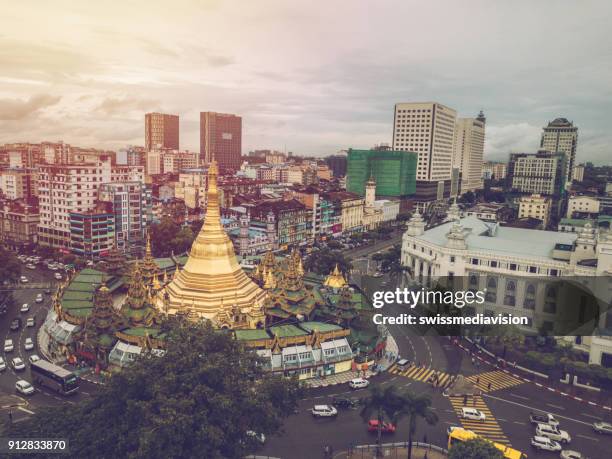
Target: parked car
{"type": "Point", "coordinates": [324, 411]}
{"type": "Point", "coordinates": [341, 402]}
{"type": "Point", "coordinates": [546, 430]}
{"type": "Point", "coordinates": [261, 438]}
{"type": "Point", "coordinates": [8, 345]}
{"type": "Point", "coordinates": [48, 291]}
{"type": "Point", "coordinates": [358, 383]}
{"type": "Point", "coordinates": [18, 364]}
{"type": "Point", "coordinates": [25, 307]}
{"type": "Point", "coordinates": [33, 358]}
{"type": "Point", "coordinates": [57, 276]}
{"type": "Point", "coordinates": [16, 324]}
{"type": "Point", "coordinates": [23, 280]}
{"type": "Point", "coordinates": [473, 413]}
{"type": "Point", "coordinates": [602, 427]}
{"type": "Point", "coordinates": [30, 266]}
{"type": "Point", "coordinates": [385, 427]}
{"type": "Point", "coordinates": [545, 443]}
{"type": "Point", "coordinates": [546, 418]}
{"type": "Point", "coordinates": [24, 387]}
{"type": "Point", "coordinates": [403, 362]}
{"type": "Point", "coordinates": [29, 344]}
{"type": "Point", "coordinates": [569, 454]}
{"type": "Point", "coordinates": [31, 322]}
{"type": "Point", "coordinates": [39, 298]}
{"type": "Point", "coordinates": [2, 364]}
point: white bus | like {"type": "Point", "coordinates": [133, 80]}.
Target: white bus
{"type": "Point", "coordinates": [54, 377]}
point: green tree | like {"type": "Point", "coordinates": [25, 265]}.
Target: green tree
{"type": "Point", "coordinates": [10, 268]}
{"type": "Point", "coordinates": [381, 403]}
{"type": "Point", "coordinates": [200, 399]}
{"type": "Point", "coordinates": [478, 448]}
{"type": "Point", "coordinates": [168, 237]}
{"type": "Point", "coordinates": [414, 407]}
{"type": "Point", "coordinates": [323, 261]}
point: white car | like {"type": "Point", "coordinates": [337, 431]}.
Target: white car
{"type": "Point", "coordinates": [324, 411]}
{"type": "Point", "coordinates": [30, 266]}
{"type": "Point", "coordinates": [403, 362]}
{"type": "Point", "coordinates": [358, 383]}
{"type": "Point", "coordinates": [33, 358]}
{"type": "Point", "coordinates": [602, 427]}
{"type": "Point", "coordinates": [30, 322]}
{"type": "Point", "coordinates": [57, 276]}
{"type": "Point", "coordinates": [569, 454]}
{"type": "Point", "coordinates": [473, 413]}
{"type": "Point", "coordinates": [18, 364]}
{"type": "Point", "coordinates": [39, 298]}
{"type": "Point", "coordinates": [545, 443]}
{"type": "Point", "coordinates": [8, 345]}
{"type": "Point", "coordinates": [261, 438]}
{"type": "Point", "coordinates": [546, 430]}
{"type": "Point", "coordinates": [25, 307]}
{"type": "Point", "coordinates": [2, 364]}
{"type": "Point", "coordinates": [24, 387]}
{"type": "Point", "coordinates": [23, 279]}
{"type": "Point", "coordinates": [29, 344]}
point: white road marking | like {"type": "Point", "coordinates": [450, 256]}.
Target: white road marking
{"type": "Point", "coordinates": [520, 423]}
{"type": "Point", "coordinates": [519, 396]}
{"type": "Point", "coordinates": [555, 406]}
{"type": "Point", "coordinates": [21, 408]}
{"type": "Point", "coordinates": [587, 437]}
{"type": "Point", "coordinates": [594, 417]}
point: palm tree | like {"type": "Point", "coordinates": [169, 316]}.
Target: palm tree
{"type": "Point", "coordinates": [381, 402]}
{"type": "Point", "coordinates": [415, 406]}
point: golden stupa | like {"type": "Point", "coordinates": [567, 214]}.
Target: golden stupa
{"type": "Point", "coordinates": [335, 279]}
{"type": "Point", "coordinates": [212, 285]}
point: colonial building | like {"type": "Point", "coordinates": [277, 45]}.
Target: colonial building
{"type": "Point", "coordinates": [350, 208]}
{"type": "Point", "coordinates": [19, 224]}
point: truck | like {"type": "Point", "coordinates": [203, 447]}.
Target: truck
{"type": "Point", "coordinates": [546, 418]}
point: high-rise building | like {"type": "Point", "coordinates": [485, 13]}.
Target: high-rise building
{"type": "Point", "coordinates": [221, 140]}
{"type": "Point", "coordinates": [161, 131]}
{"type": "Point", "coordinates": [66, 188]}
{"type": "Point", "coordinates": [428, 129]}
{"type": "Point", "coordinates": [469, 150]}
{"type": "Point", "coordinates": [393, 171]}
{"type": "Point", "coordinates": [337, 163]}
{"type": "Point", "coordinates": [537, 173]}
{"type": "Point", "coordinates": [561, 136]}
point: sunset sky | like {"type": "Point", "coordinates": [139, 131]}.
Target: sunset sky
{"type": "Point", "coordinates": [308, 77]}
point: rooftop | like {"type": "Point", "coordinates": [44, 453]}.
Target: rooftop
{"type": "Point", "coordinates": [488, 237]}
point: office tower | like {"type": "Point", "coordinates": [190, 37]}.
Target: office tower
{"type": "Point", "coordinates": [561, 135]}
{"type": "Point", "coordinates": [393, 171]}
{"type": "Point", "coordinates": [161, 131]}
{"type": "Point", "coordinates": [221, 139]}
{"type": "Point", "coordinates": [538, 173]}
{"type": "Point", "coordinates": [469, 150]}
{"type": "Point", "coordinates": [428, 129]}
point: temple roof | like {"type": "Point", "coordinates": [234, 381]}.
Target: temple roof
{"type": "Point", "coordinates": [335, 278]}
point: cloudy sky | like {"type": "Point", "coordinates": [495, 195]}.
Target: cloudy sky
{"type": "Point", "coordinates": [309, 77]}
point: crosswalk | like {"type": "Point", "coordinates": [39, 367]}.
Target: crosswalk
{"type": "Point", "coordinates": [494, 380]}
{"type": "Point", "coordinates": [422, 374]}
{"type": "Point", "coordinates": [489, 429]}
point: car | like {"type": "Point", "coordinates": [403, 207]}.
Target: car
{"type": "Point", "coordinates": [52, 267]}
{"type": "Point", "coordinates": [358, 383]}
{"type": "Point", "coordinates": [8, 345]}
{"type": "Point", "coordinates": [39, 298]}
{"type": "Point", "coordinates": [385, 427]}
{"type": "Point", "coordinates": [15, 324]}
{"type": "Point", "coordinates": [25, 307]}
{"type": "Point", "coordinates": [29, 344]}
{"type": "Point", "coordinates": [473, 413]}
{"type": "Point", "coordinates": [33, 358]}
{"type": "Point", "coordinates": [30, 266]}
{"type": "Point", "coordinates": [18, 364]}
{"type": "Point", "coordinates": [261, 438]}
{"type": "Point", "coordinates": [552, 432]}
{"type": "Point", "coordinates": [545, 418]}
{"type": "Point", "coordinates": [31, 322]}
{"type": "Point", "coordinates": [57, 276]}
{"type": "Point", "coordinates": [602, 427]}
{"type": "Point", "coordinates": [2, 364]}
{"type": "Point", "coordinates": [545, 443]}
{"type": "Point", "coordinates": [23, 280]}
{"type": "Point", "coordinates": [403, 362]}
{"type": "Point", "coordinates": [47, 291]}
{"type": "Point", "coordinates": [24, 387]}
{"type": "Point", "coordinates": [342, 402]}
{"type": "Point", "coordinates": [569, 454]}
{"type": "Point", "coordinates": [323, 411]}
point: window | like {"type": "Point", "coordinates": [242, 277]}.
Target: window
{"type": "Point", "coordinates": [452, 259]}
{"type": "Point", "coordinates": [475, 261]}
{"type": "Point", "coordinates": [493, 264]}
{"type": "Point", "coordinates": [512, 266]}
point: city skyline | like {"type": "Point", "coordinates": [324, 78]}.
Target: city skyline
{"type": "Point", "coordinates": [299, 93]}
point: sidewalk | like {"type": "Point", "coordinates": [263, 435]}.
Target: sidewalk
{"type": "Point", "coordinates": [391, 452]}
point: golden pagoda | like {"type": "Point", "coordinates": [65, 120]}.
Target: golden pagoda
{"type": "Point", "coordinates": [335, 279]}
{"type": "Point", "coordinates": [213, 274]}
{"type": "Point", "coordinates": [148, 268]}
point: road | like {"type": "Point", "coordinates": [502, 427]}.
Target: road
{"type": "Point", "coordinates": [507, 404]}
{"type": "Point", "coordinates": [21, 406]}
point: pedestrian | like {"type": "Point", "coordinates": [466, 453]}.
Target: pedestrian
{"type": "Point", "coordinates": [474, 400]}
{"type": "Point", "coordinates": [465, 397]}
{"type": "Point", "coordinates": [477, 380]}
{"type": "Point", "coordinates": [489, 387]}
{"type": "Point", "coordinates": [11, 416]}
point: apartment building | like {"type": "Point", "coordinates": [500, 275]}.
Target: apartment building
{"type": "Point", "coordinates": [19, 224]}
{"type": "Point", "coordinates": [19, 183]}
{"type": "Point", "coordinates": [537, 173]}
{"type": "Point", "coordinates": [583, 206]}
{"type": "Point", "coordinates": [493, 170]}
{"type": "Point", "coordinates": [535, 206]}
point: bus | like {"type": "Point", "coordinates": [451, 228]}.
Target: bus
{"type": "Point", "coordinates": [54, 377]}
{"type": "Point", "coordinates": [459, 434]}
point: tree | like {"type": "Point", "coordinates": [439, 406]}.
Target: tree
{"type": "Point", "coordinates": [10, 268]}
{"type": "Point", "coordinates": [414, 407]}
{"type": "Point", "coordinates": [168, 237]}
{"type": "Point", "coordinates": [477, 448]}
{"type": "Point", "coordinates": [200, 399]}
{"type": "Point", "coordinates": [381, 403]}
{"type": "Point", "coordinates": [323, 261]}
